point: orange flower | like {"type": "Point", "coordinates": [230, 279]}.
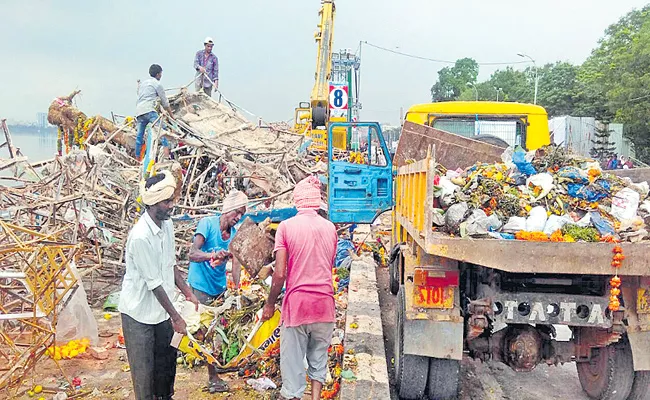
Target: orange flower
{"type": "Point", "coordinates": [615, 281]}
{"type": "Point", "coordinates": [531, 236]}
{"type": "Point", "coordinates": [557, 236]}
{"type": "Point", "coordinates": [616, 264]}
{"type": "Point", "coordinates": [618, 249]}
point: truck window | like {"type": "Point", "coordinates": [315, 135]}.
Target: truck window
{"type": "Point", "coordinates": [376, 154]}
{"type": "Point", "coordinates": [512, 131]}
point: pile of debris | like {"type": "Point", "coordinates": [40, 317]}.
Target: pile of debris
{"type": "Point", "coordinates": [543, 195]}
{"type": "Point", "coordinates": [91, 190]}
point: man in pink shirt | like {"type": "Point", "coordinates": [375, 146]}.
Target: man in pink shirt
{"type": "Point", "coordinates": [305, 247]}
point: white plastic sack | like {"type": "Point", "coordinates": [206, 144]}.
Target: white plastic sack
{"type": "Point", "coordinates": [445, 191]}
{"type": "Point", "coordinates": [584, 221]}
{"type": "Point", "coordinates": [261, 384]}
{"type": "Point", "coordinates": [555, 222]}
{"type": "Point", "coordinates": [625, 204]}
{"type": "Point", "coordinates": [76, 320]}
{"type": "Point", "coordinates": [536, 219]}
{"type": "Point", "coordinates": [479, 223]}
{"type": "Point", "coordinates": [544, 181]}
{"type": "Point", "coordinates": [515, 224]}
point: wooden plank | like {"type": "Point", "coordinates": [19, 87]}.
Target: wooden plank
{"type": "Point", "coordinates": [541, 257]}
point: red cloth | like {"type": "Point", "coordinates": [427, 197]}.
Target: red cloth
{"type": "Point", "coordinates": [306, 195]}
{"type": "Point", "coordinates": [310, 242]}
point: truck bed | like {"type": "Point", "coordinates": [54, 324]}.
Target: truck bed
{"type": "Point", "coordinates": [413, 223]}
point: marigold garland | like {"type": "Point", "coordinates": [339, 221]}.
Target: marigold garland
{"type": "Point", "coordinates": [615, 282]}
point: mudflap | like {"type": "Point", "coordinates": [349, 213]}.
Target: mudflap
{"type": "Point", "coordinates": [436, 339]}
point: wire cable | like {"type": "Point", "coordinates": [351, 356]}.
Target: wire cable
{"type": "Point", "coordinates": [437, 60]}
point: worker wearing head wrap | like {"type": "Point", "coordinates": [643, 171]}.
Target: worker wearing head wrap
{"type": "Point", "coordinates": [305, 248]}
{"type": "Point", "coordinates": [209, 256]}
{"type": "Point", "coordinates": [148, 316]}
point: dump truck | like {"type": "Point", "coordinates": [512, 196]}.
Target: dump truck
{"type": "Point", "coordinates": [485, 298]}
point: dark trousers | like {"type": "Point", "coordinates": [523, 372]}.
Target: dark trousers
{"type": "Point", "coordinates": [208, 90]}
{"type": "Point", "coordinates": [151, 358]}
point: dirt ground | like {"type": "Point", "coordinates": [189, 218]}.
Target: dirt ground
{"type": "Point", "coordinates": [106, 379]}
{"type": "Point", "coordinates": [488, 381]}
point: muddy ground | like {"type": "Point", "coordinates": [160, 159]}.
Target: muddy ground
{"type": "Point", "coordinates": [489, 381]}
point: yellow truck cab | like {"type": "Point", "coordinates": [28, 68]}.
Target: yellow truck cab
{"type": "Point", "coordinates": [514, 123]}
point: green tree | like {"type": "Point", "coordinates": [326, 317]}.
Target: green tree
{"type": "Point", "coordinates": [557, 88]}
{"type": "Point", "coordinates": [615, 81]}
{"type": "Point", "coordinates": [453, 80]}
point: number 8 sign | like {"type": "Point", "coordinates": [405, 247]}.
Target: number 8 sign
{"type": "Point", "coordinates": [338, 97]}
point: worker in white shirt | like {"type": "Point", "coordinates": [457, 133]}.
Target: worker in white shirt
{"type": "Point", "coordinates": [149, 319]}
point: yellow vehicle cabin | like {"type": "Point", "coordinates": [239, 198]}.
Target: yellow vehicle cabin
{"type": "Point", "coordinates": [513, 123]}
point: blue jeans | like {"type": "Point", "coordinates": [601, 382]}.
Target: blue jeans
{"type": "Point", "coordinates": [143, 121]}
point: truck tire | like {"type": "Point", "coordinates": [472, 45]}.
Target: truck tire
{"type": "Point", "coordinates": [443, 379]}
{"type": "Point", "coordinates": [318, 116]}
{"type": "Point", "coordinates": [609, 374]}
{"type": "Point", "coordinates": [394, 272]}
{"type": "Point", "coordinates": [640, 388]}
{"type": "Point", "coordinates": [411, 372]}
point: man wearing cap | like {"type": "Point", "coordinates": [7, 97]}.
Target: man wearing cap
{"type": "Point", "coordinates": [305, 248]}
{"type": "Point", "coordinates": [149, 92]}
{"type": "Point", "coordinates": [149, 319]}
{"type": "Point", "coordinates": [206, 65]}
{"type": "Point", "coordinates": [208, 258]}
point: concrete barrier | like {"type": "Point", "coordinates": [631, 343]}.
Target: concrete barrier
{"type": "Point", "coordinates": [367, 339]}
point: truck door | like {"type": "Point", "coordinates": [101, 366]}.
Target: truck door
{"type": "Point", "coordinates": [360, 182]}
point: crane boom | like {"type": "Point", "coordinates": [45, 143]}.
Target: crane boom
{"type": "Point", "coordinates": [324, 38]}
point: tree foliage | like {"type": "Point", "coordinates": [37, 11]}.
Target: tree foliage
{"type": "Point", "coordinates": [452, 80]}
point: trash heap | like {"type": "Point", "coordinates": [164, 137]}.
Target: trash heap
{"type": "Point", "coordinates": [543, 195]}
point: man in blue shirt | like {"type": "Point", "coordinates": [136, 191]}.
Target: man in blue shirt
{"type": "Point", "coordinates": [208, 258]}
{"type": "Point", "coordinates": [206, 65]}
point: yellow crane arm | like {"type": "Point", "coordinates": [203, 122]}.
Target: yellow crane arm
{"type": "Point", "coordinates": [324, 38]}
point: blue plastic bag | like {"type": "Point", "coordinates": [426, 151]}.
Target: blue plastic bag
{"type": "Point", "coordinates": [603, 226]}
{"type": "Point", "coordinates": [519, 159]}
{"type": "Point", "coordinates": [572, 173]}
{"type": "Point", "coordinates": [592, 193]}
{"type": "Point", "coordinates": [343, 247]}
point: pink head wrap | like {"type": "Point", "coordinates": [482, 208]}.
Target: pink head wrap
{"type": "Point", "coordinates": [306, 195]}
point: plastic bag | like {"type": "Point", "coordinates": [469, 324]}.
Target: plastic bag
{"type": "Point", "coordinates": [592, 193]}
{"type": "Point", "coordinates": [544, 181]}
{"type": "Point", "coordinates": [573, 173]}
{"type": "Point", "coordinates": [522, 161]}
{"type": "Point", "coordinates": [603, 226]}
{"type": "Point", "coordinates": [515, 224]}
{"type": "Point", "coordinates": [261, 384]}
{"type": "Point", "coordinates": [438, 217]}
{"type": "Point", "coordinates": [445, 190]}
{"type": "Point", "coordinates": [455, 215]}
{"type": "Point", "coordinates": [76, 320]}
{"type": "Point", "coordinates": [625, 204]}
{"type": "Point", "coordinates": [555, 222]}
{"type": "Point", "coordinates": [479, 223]}
{"type": "Point", "coordinates": [536, 219]}
{"type": "Point", "coordinates": [343, 249]}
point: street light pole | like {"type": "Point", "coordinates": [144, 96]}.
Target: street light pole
{"type": "Point", "coordinates": [536, 76]}
{"type": "Point", "coordinates": [497, 90]}
{"type": "Point", "coordinates": [475, 90]}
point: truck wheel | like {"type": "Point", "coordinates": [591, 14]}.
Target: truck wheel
{"type": "Point", "coordinates": [443, 379]}
{"type": "Point", "coordinates": [609, 374]}
{"type": "Point", "coordinates": [411, 372]}
{"type": "Point", "coordinates": [393, 272]}
{"type": "Point", "coordinates": [640, 387]}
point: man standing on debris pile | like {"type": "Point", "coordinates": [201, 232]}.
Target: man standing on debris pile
{"type": "Point", "coordinates": [149, 92]}
{"type": "Point", "coordinates": [305, 248]}
{"type": "Point", "coordinates": [149, 319]}
{"type": "Point", "coordinates": [208, 258]}
{"type": "Point", "coordinates": [206, 65]}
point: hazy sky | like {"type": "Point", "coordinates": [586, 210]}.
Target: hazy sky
{"type": "Point", "coordinates": [266, 49]}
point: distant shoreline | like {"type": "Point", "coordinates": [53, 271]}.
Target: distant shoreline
{"type": "Point", "coordinates": [33, 129]}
